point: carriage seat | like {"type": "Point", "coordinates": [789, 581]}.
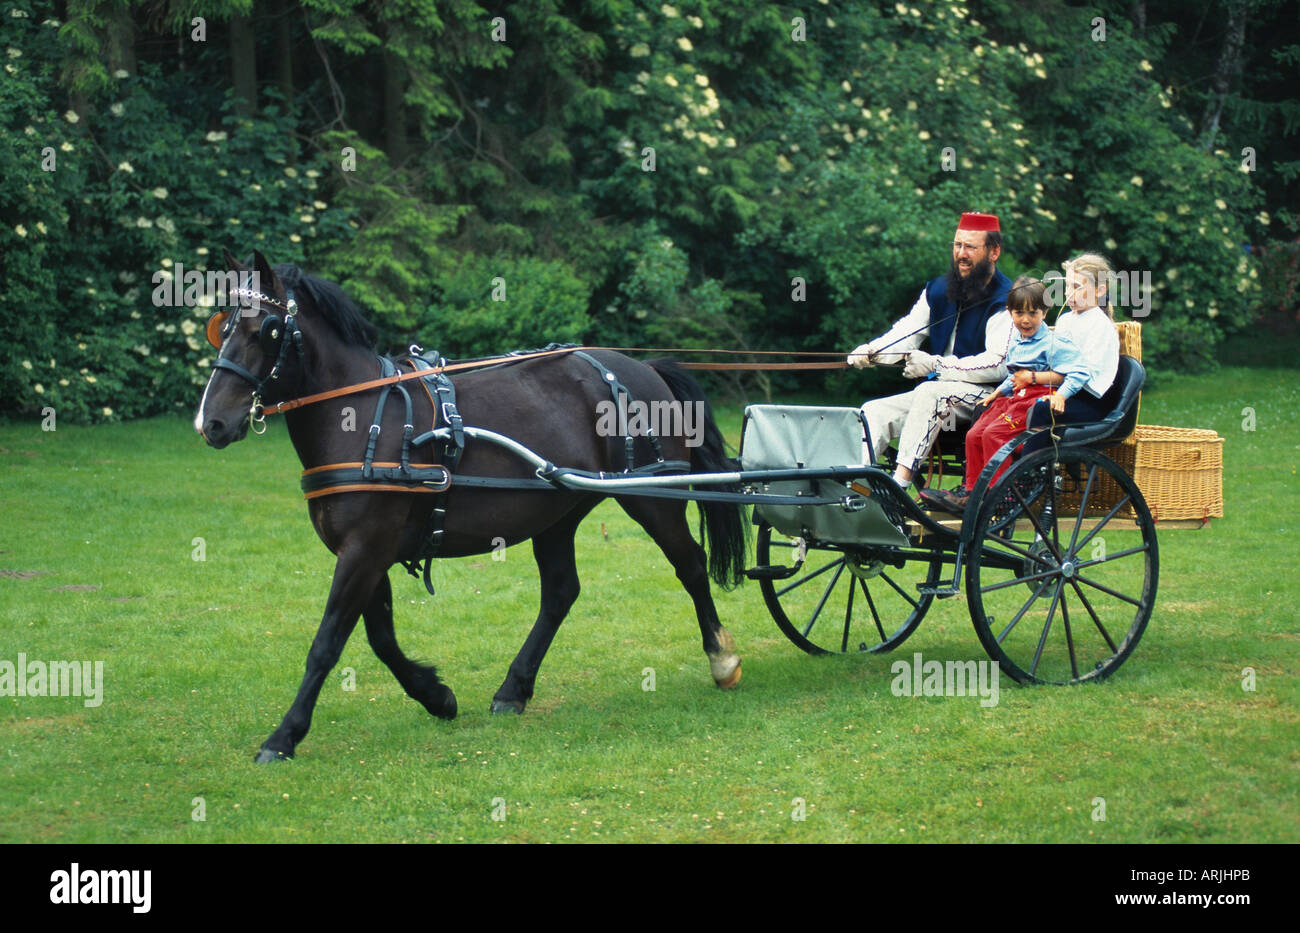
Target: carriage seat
{"type": "Point", "coordinates": [1121, 400]}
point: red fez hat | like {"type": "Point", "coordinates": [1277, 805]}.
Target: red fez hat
{"type": "Point", "coordinates": [978, 221]}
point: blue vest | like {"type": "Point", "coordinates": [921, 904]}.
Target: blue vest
{"type": "Point", "coordinates": [970, 323]}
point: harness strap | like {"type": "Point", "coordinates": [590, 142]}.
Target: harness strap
{"type": "Point", "coordinates": [617, 389]}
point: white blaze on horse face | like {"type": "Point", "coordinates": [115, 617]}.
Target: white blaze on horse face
{"type": "Point", "coordinates": [203, 402]}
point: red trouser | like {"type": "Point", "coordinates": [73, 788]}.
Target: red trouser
{"type": "Point", "coordinates": [1003, 419]}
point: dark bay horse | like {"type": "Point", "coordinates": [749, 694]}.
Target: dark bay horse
{"type": "Point", "coordinates": [547, 404]}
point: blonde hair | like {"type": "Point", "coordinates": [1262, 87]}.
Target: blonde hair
{"type": "Point", "coordinates": [1096, 269]}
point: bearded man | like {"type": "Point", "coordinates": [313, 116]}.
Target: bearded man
{"type": "Point", "coordinates": [962, 318]}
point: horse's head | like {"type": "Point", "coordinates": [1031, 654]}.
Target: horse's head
{"type": "Point", "coordinates": [259, 354]}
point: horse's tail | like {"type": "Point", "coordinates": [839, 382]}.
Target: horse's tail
{"type": "Point", "coordinates": [722, 526]}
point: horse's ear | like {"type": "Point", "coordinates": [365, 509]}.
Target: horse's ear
{"type": "Point", "coordinates": [267, 282]}
{"type": "Point", "coordinates": [232, 263]}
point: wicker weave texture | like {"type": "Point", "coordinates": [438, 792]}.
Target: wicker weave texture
{"type": "Point", "coordinates": [1179, 470]}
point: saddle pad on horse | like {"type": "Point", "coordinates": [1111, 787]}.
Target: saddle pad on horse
{"type": "Point", "coordinates": [779, 437]}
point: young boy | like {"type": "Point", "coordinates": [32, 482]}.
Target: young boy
{"type": "Point", "coordinates": [1036, 356]}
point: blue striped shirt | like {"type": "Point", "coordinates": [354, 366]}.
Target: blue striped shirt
{"type": "Point", "coordinates": [1044, 351]}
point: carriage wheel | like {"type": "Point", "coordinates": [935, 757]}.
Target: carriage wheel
{"type": "Point", "coordinates": [1062, 593]}
{"type": "Point", "coordinates": [841, 599]}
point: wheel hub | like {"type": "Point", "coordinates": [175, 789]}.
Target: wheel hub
{"type": "Point", "coordinates": [864, 569]}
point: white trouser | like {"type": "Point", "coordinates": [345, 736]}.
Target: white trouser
{"type": "Point", "coordinates": [915, 418]}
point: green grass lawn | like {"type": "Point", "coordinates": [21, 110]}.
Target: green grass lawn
{"type": "Point", "coordinates": [98, 530]}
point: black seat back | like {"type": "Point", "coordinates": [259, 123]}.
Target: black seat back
{"type": "Point", "coordinates": [1121, 399]}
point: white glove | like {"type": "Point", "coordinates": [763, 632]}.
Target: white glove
{"type": "Point", "coordinates": [920, 364]}
{"type": "Point", "coordinates": [861, 357]}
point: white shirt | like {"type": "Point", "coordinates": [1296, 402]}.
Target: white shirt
{"type": "Point", "coordinates": [1093, 332]}
{"type": "Point", "coordinates": [988, 366]}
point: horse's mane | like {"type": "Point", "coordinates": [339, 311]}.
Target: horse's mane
{"type": "Point", "coordinates": [332, 303]}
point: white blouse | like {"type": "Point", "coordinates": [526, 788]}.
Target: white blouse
{"type": "Point", "coordinates": [1093, 332]}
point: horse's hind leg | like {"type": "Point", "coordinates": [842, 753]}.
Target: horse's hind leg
{"type": "Point", "coordinates": [666, 523]}
{"type": "Point", "coordinates": [420, 681]}
{"type": "Point", "coordinates": [354, 580]}
{"type": "Point", "coordinates": [553, 550]}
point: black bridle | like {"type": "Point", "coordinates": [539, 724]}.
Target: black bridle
{"type": "Point", "coordinates": [278, 336]}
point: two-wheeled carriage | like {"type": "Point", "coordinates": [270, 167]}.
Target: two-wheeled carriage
{"type": "Point", "coordinates": [1057, 559]}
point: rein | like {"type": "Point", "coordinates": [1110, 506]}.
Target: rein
{"type": "Point", "coordinates": [445, 367]}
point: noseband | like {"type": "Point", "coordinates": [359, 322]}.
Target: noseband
{"type": "Point", "coordinates": [278, 336]}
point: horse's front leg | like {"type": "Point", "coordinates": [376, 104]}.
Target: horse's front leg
{"type": "Point", "coordinates": [355, 578]}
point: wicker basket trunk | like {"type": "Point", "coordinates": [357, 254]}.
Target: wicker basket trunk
{"type": "Point", "coordinates": [1179, 470]}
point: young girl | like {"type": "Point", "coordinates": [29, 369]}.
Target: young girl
{"type": "Point", "coordinates": [1036, 362]}
{"type": "Point", "coordinates": [1092, 331]}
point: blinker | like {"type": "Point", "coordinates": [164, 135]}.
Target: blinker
{"type": "Point", "coordinates": [216, 324]}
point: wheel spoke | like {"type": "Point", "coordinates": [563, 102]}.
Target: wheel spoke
{"type": "Point", "coordinates": [1023, 609]}
{"type": "Point", "coordinates": [1109, 515]}
{"type": "Point", "coordinates": [1029, 579]}
{"type": "Point", "coordinates": [1115, 556]}
{"type": "Point", "coordinates": [1083, 507]}
{"type": "Point", "coordinates": [900, 591]}
{"type": "Point", "coordinates": [991, 547]}
{"type": "Point", "coordinates": [1108, 590]}
{"type": "Point", "coordinates": [1095, 621]}
{"type": "Point", "coordinates": [825, 596]}
{"type": "Point", "coordinates": [1069, 638]}
{"type": "Point", "coordinates": [866, 591]}
{"type": "Point", "coordinates": [818, 572]}
{"type": "Point", "coordinates": [1047, 627]}
{"type": "Point", "coordinates": [1033, 520]}
{"type": "Point", "coordinates": [848, 617]}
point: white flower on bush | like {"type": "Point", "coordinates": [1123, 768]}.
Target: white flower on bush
{"type": "Point", "coordinates": [159, 193]}
{"type": "Point", "coordinates": [319, 205]}
{"type": "Point", "coordinates": [166, 225]}
{"type": "Point", "coordinates": [307, 218]}
{"type": "Point", "coordinates": [188, 327]}
{"type": "Point", "coordinates": [143, 223]}
{"type": "Point", "coordinates": [91, 379]}
{"type": "Point", "coordinates": [117, 110]}
{"type": "Point", "coordinates": [291, 171]}
{"type": "Point", "coordinates": [106, 412]}
{"type": "Point", "coordinates": [71, 116]}
{"type": "Point", "coordinates": [669, 11]}
{"type": "Point", "coordinates": [640, 50]}
{"type": "Point", "coordinates": [39, 389]}
{"type": "Point", "coordinates": [295, 238]}
{"type": "Point", "coordinates": [125, 167]}
{"type": "Point", "coordinates": [192, 343]}
{"type": "Point", "coordinates": [27, 364]}
{"type": "Point", "coordinates": [215, 136]}
{"type": "Point", "coordinates": [141, 349]}
{"type": "Point", "coordinates": [20, 230]}
{"type": "Point", "coordinates": [1220, 204]}
{"type": "Point", "coordinates": [684, 44]}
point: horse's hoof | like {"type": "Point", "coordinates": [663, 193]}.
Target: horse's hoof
{"type": "Point", "coordinates": [729, 682]}
{"type": "Point", "coordinates": [266, 756]}
{"type": "Point", "coordinates": [507, 706]}
{"type": "Point", "coordinates": [446, 707]}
